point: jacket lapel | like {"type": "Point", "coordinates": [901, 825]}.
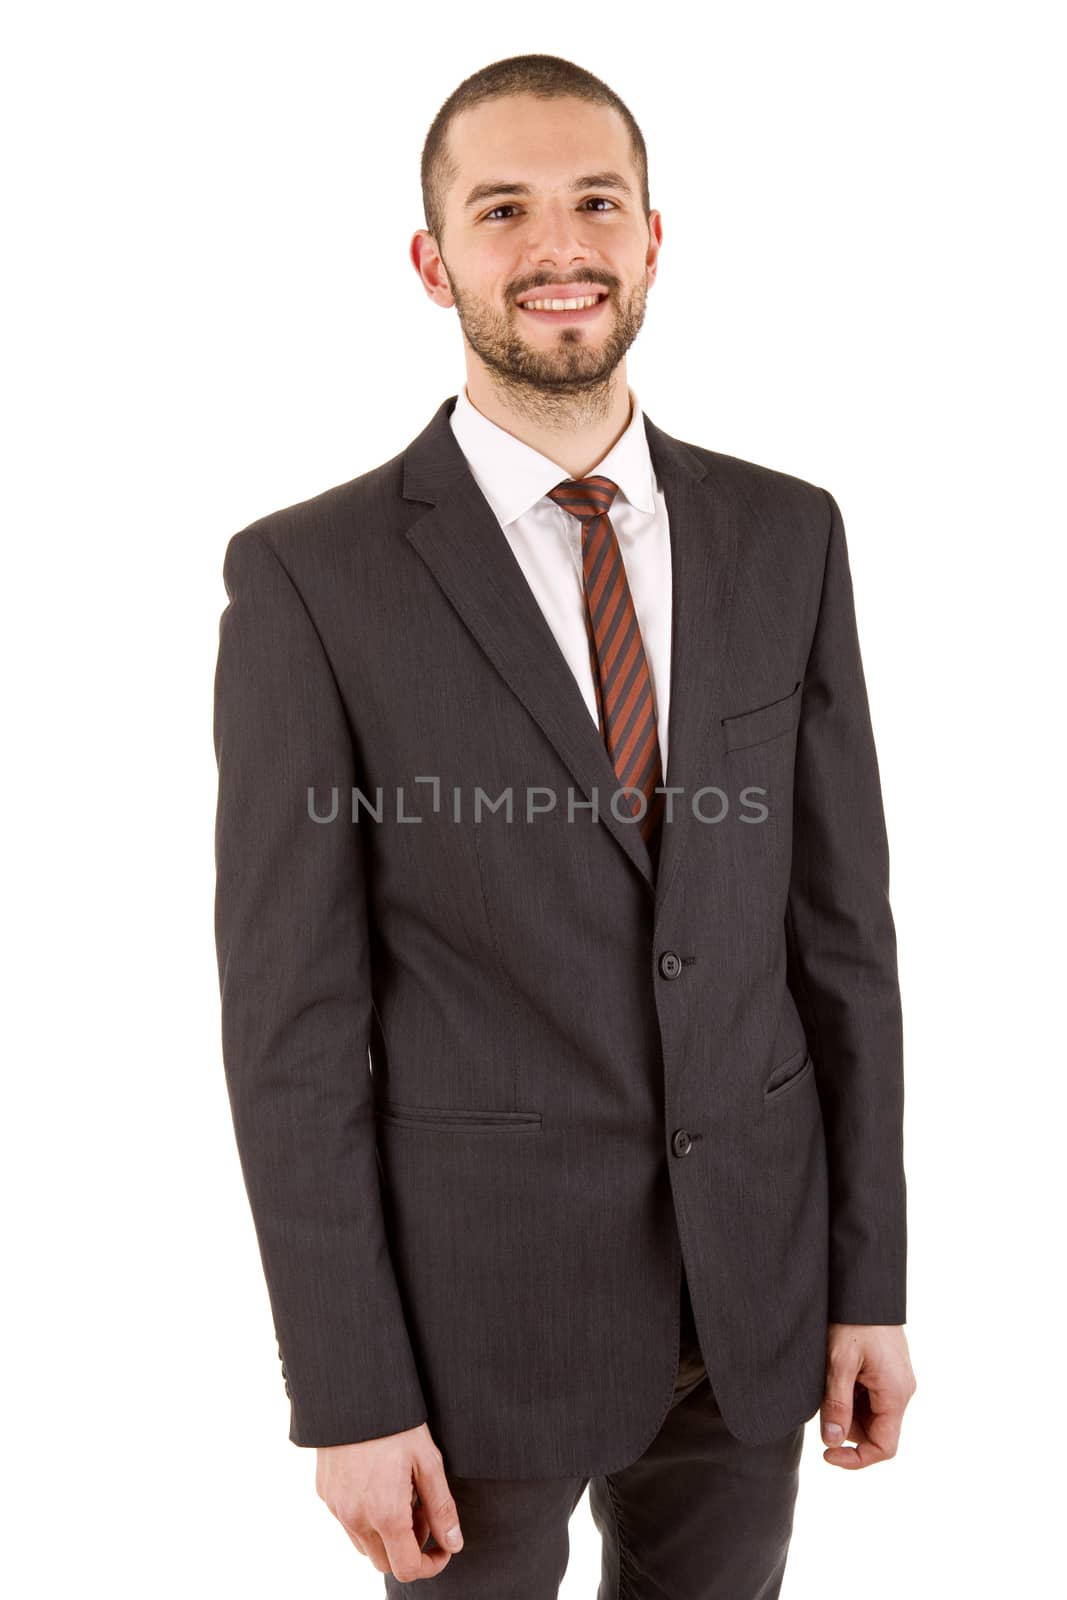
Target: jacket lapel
{"type": "Point", "coordinates": [702, 517]}
{"type": "Point", "coordinates": [461, 542]}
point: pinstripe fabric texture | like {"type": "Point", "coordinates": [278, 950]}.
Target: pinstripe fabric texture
{"type": "Point", "coordinates": [625, 701]}
{"type": "Point", "coordinates": [494, 1083]}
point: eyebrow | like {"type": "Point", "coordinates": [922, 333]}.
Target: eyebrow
{"type": "Point", "coordinates": [596, 180]}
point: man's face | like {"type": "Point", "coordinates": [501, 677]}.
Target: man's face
{"type": "Point", "coordinates": [552, 242]}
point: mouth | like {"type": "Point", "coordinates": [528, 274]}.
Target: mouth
{"type": "Point", "coordinates": [540, 305]}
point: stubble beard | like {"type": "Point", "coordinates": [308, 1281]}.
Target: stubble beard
{"type": "Point", "coordinates": [563, 380]}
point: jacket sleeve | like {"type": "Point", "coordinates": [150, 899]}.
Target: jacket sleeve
{"type": "Point", "coordinates": [842, 959]}
{"type": "Point", "coordinates": [295, 983]}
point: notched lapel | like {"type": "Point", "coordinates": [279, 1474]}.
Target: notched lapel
{"type": "Point", "coordinates": [463, 546]}
{"type": "Point", "coordinates": [703, 520]}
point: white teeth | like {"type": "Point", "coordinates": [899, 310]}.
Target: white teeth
{"type": "Point", "coordinates": [561, 305]}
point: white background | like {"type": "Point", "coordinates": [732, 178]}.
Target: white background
{"type": "Point", "coordinates": [210, 314]}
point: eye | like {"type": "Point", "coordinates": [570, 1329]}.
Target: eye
{"type": "Point", "coordinates": [596, 199]}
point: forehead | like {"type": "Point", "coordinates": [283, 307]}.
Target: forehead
{"type": "Point", "coordinates": [545, 143]}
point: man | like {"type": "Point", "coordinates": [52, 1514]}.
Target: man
{"type": "Point", "coordinates": [621, 1201]}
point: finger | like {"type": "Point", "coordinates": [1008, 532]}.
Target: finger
{"type": "Point", "coordinates": [391, 1543]}
{"type": "Point", "coordinates": [436, 1500]}
{"type": "Point", "coordinates": [399, 1553]}
{"type": "Point", "coordinates": [420, 1522]}
{"type": "Point", "coordinates": [864, 1454]}
{"type": "Point", "coordinates": [356, 1540]}
{"type": "Point", "coordinates": [877, 1435]}
{"type": "Point", "coordinates": [882, 1422]}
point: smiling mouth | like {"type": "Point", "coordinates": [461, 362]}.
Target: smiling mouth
{"type": "Point", "coordinates": [562, 307]}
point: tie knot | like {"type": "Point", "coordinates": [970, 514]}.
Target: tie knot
{"type": "Point", "coordinates": [585, 497]}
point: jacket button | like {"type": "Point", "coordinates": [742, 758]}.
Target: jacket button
{"type": "Point", "coordinates": [681, 1143]}
{"type": "Point", "coordinates": [669, 964]}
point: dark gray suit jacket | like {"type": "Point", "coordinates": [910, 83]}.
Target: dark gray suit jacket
{"type": "Point", "coordinates": [581, 1072]}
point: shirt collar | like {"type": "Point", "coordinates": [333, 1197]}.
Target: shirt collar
{"type": "Point", "coordinates": [513, 476]}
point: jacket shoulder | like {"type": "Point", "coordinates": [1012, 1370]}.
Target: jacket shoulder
{"type": "Point", "coordinates": [767, 490]}
{"type": "Point", "coordinates": [361, 506]}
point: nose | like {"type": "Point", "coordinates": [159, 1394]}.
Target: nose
{"type": "Point", "coordinates": [557, 239]}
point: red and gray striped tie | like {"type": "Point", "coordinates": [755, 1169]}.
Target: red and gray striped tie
{"type": "Point", "coordinates": [625, 702]}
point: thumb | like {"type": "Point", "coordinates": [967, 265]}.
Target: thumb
{"type": "Point", "coordinates": [437, 1503]}
{"type": "Point", "coordinates": [836, 1411]}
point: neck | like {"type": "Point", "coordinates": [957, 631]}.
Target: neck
{"type": "Point", "coordinates": [574, 431]}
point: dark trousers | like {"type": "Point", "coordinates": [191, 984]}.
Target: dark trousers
{"type": "Point", "coordinates": [699, 1516]}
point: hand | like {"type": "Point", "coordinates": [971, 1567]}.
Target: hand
{"type": "Point", "coordinates": [869, 1381]}
{"type": "Point", "coordinates": [389, 1495]}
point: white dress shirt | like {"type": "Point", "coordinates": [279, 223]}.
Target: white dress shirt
{"type": "Point", "coordinates": [547, 541]}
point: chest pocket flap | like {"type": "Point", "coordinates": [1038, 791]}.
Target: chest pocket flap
{"type": "Point", "coordinates": [762, 722]}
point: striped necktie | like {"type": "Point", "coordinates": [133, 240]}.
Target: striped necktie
{"type": "Point", "coordinates": [625, 703]}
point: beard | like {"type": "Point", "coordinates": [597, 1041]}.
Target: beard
{"type": "Point", "coordinates": [549, 368]}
